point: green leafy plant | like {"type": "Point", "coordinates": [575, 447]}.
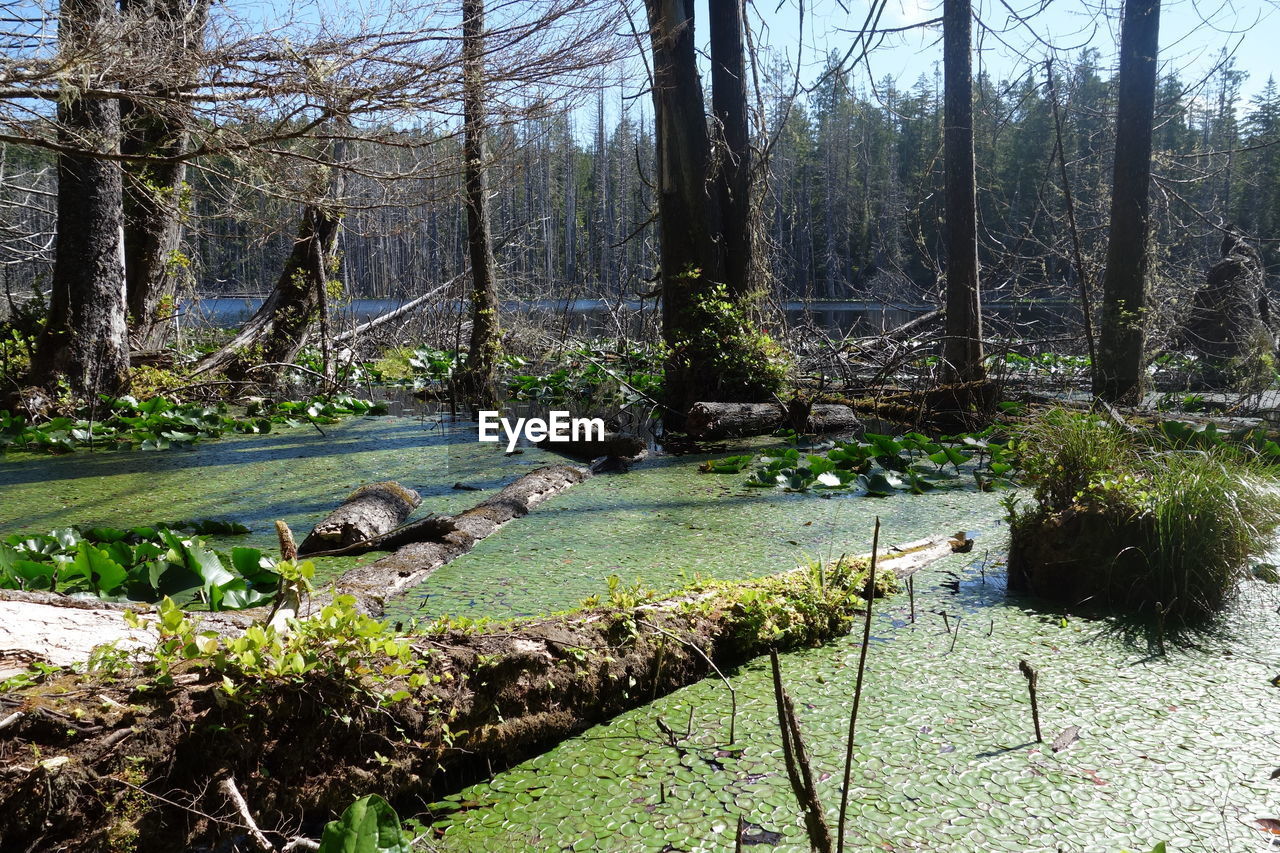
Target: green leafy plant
{"type": "Point", "coordinates": [158, 423]}
{"type": "Point", "coordinates": [369, 825]}
{"type": "Point", "coordinates": [141, 564]}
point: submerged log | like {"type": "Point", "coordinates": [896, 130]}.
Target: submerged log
{"type": "Point", "coordinates": [711, 421]}
{"type": "Point", "coordinates": [390, 576]}
{"type": "Point", "coordinates": [367, 512]}
{"type": "Point", "coordinates": [60, 629]}
{"type": "Point", "coordinates": [304, 748]}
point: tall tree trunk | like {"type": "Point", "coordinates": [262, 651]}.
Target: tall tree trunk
{"type": "Point", "coordinates": [1120, 373]}
{"type": "Point", "coordinates": [86, 338]}
{"type": "Point", "coordinates": [478, 379]}
{"type": "Point", "coordinates": [153, 194]}
{"type": "Point", "coordinates": [962, 347]}
{"type": "Point", "coordinates": [729, 106]}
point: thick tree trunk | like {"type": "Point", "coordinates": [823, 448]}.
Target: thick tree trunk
{"type": "Point", "coordinates": [729, 106]}
{"type": "Point", "coordinates": [153, 194]}
{"type": "Point", "coordinates": [688, 213]}
{"type": "Point", "coordinates": [86, 341]}
{"type": "Point", "coordinates": [478, 376]}
{"type": "Point", "coordinates": [1120, 374]}
{"type": "Point", "coordinates": [962, 347]}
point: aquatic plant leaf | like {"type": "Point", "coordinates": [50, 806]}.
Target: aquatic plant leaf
{"type": "Point", "coordinates": [369, 825]}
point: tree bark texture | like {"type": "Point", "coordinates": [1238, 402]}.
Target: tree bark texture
{"type": "Point", "coordinates": [729, 107]}
{"type": "Point", "coordinates": [962, 347]}
{"type": "Point", "coordinates": [709, 421]}
{"type": "Point", "coordinates": [1120, 374]}
{"type": "Point", "coordinates": [478, 377]}
{"type": "Point", "coordinates": [86, 339]}
{"type": "Point", "coordinates": [367, 512]}
{"type": "Point", "coordinates": [154, 190]}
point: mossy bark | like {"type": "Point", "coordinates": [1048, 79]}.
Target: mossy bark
{"type": "Point", "coordinates": [303, 748]}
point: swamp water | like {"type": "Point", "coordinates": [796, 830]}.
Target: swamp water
{"type": "Point", "coordinates": [1176, 749]}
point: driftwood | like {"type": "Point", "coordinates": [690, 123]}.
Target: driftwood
{"type": "Point", "coordinates": [396, 313]}
{"type": "Point", "coordinates": [492, 696]}
{"type": "Point", "coordinates": [60, 629]}
{"type": "Point", "coordinates": [390, 576]}
{"type": "Point", "coordinates": [710, 421]}
{"type": "Point", "coordinates": [367, 512]}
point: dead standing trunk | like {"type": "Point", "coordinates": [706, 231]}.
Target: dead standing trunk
{"type": "Point", "coordinates": [962, 347]}
{"type": "Point", "coordinates": [729, 106]}
{"type": "Point", "coordinates": [278, 329]}
{"type": "Point", "coordinates": [1119, 377]}
{"type": "Point", "coordinates": [477, 379]}
{"type": "Point", "coordinates": [86, 339]}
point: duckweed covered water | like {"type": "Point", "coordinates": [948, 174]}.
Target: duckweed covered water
{"type": "Point", "coordinates": [297, 475]}
{"type": "Point", "coordinates": [1177, 749]}
{"type": "Point", "coordinates": [664, 522]}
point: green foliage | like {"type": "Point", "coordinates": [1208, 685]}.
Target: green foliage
{"type": "Point", "coordinates": [1186, 509]}
{"type": "Point", "coordinates": [157, 423]}
{"type": "Point", "coordinates": [591, 374]}
{"type": "Point", "coordinates": [369, 825]}
{"type": "Point", "coordinates": [339, 643]}
{"type": "Point", "coordinates": [141, 564]}
{"type": "Point", "coordinates": [881, 465]}
{"type": "Point", "coordinates": [719, 339]}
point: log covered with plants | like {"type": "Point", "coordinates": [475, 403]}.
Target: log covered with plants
{"type": "Point", "coordinates": [1165, 524]}
{"type": "Point", "coordinates": [367, 512]}
{"type": "Point", "coordinates": [309, 719]}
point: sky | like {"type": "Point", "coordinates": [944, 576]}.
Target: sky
{"type": "Point", "coordinates": [1192, 32]}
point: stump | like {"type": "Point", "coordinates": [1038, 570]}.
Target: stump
{"type": "Point", "coordinates": [1228, 322]}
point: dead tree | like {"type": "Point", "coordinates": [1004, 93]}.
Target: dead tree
{"type": "Point", "coordinates": [1119, 377]}
{"type": "Point", "coordinates": [1228, 325]}
{"type": "Point", "coordinates": [477, 378]}
{"type": "Point", "coordinates": [277, 330]}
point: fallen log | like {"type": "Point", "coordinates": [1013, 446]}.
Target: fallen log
{"type": "Point", "coordinates": [711, 421]}
{"type": "Point", "coordinates": [367, 512]}
{"type": "Point", "coordinates": [615, 452]}
{"type": "Point", "coordinates": [60, 629]}
{"type": "Point", "coordinates": [478, 699]}
{"type": "Point", "coordinates": [409, 565]}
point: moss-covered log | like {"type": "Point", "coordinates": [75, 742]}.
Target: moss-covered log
{"type": "Point", "coordinates": [94, 763]}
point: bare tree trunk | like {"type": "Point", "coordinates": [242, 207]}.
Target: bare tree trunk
{"type": "Point", "coordinates": [729, 106]}
{"type": "Point", "coordinates": [86, 338]}
{"type": "Point", "coordinates": [962, 347]}
{"type": "Point", "coordinates": [689, 214]}
{"type": "Point", "coordinates": [1120, 374]}
{"type": "Point", "coordinates": [153, 196]}
{"type": "Point", "coordinates": [477, 379]}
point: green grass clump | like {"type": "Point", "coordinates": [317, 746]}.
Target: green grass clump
{"type": "Point", "coordinates": [1124, 518]}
